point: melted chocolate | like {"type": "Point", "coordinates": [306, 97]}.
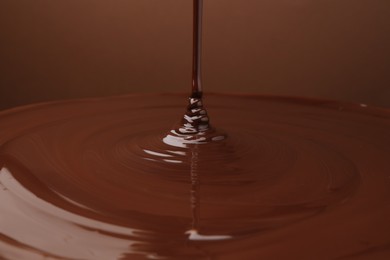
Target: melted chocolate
{"type": "Point", "coordinates": [294, 179]}
{"type": "Point", "coordinates": [99, 179]}
{"type": "Point", "coordinates": [195, 127]}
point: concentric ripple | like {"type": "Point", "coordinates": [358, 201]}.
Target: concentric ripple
{"type": "Point", "coordinates": [291, 179]}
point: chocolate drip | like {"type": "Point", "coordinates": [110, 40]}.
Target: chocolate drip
{"type": "Point", "coordinates": [197, 50]}
{"type": "Point", "coordinates": [194, 127]}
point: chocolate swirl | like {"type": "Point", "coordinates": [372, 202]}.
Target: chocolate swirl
{"type": "Point", "coordinates": [99, 179]}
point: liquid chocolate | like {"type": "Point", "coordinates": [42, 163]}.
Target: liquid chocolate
{"type": "Point", "coordinates": [294, 179]}
{"type": "Point", "coordinates": [107, 179]}
{"type": "Point", "coordinates": [195, 127]}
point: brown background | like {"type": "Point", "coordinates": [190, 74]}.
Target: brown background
{"type": "Point", "coordinates": [76, 48]}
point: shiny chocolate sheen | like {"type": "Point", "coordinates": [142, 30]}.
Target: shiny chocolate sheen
{"type": "Point", "coordinates": [290, 179]}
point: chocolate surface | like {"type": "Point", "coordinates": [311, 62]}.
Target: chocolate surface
{"type": "Point", "coordinates": [293, 179]}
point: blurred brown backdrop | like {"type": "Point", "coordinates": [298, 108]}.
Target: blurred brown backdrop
{"type": "Point", "coordinates": [77, 48]}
